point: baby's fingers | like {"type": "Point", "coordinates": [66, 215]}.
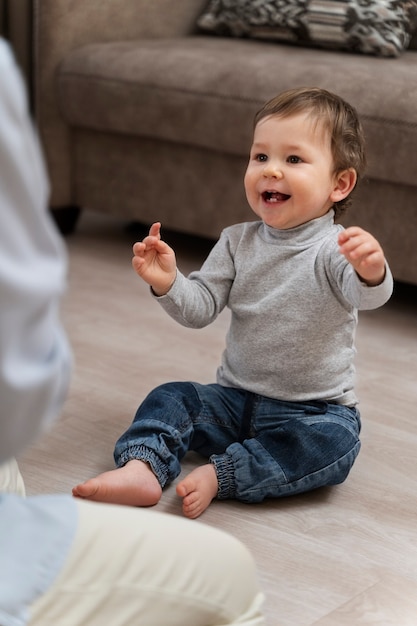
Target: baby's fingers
{"type": "Point", "coordinates": [359, 250]}
{"type": "Point", "coordinates": [139, 248]}
{"type": "Point", "coordinates": [150, 241]}
{"type": "Point", "coordinates": [137, 262]}
{"type": "Point", "coordinates": [355, 243]}
{"type": "Point", "coordinates": [350, 237]}
{"type": "Point", "coordinates": [155, 230]}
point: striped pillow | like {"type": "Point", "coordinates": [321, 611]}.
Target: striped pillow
{"type": "Point", "coordinates": [379, 27]}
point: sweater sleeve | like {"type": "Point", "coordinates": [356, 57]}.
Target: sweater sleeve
{"type": "Point", "coordinates": [353, 289]}
{"type": "Point", "coordinates": [195, 301]}
{"type": "Point", "coordinates": [363, 297]}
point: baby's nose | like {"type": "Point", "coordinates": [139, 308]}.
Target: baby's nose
{"type": "Point", "coordinates": [273, 170]}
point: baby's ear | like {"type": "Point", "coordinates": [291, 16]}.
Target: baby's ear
{"type": "Point", "coordinates": [344, 184]}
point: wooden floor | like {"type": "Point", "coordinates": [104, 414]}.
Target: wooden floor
{"type": "Point", "coordinates": [344, 556]}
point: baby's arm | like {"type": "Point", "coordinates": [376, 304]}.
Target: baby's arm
{"type": "Point", "coordinates": [155, 261]}
{"type": "Point", "coordinates": [364, 253]}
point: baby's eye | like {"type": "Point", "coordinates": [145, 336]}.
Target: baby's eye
{"type": "Point", "coordinates": [261, 158]}
{"type": "Point", "coordinates": [294, 159]}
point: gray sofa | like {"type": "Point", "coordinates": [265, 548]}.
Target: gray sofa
{"type": "Point", "coordinates": [144, 117]}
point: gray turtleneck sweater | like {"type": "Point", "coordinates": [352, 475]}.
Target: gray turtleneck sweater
{"type": "Point", "coordinates": [293, 300]}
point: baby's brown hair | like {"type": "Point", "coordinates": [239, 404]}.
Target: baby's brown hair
{"type": "Point", "coordinates": [337, 117]}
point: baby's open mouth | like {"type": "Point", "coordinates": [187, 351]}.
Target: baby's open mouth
{"type": "Point", "coordinates": [274, 196]}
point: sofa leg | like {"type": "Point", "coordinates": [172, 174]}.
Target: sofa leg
{"type": "Point", "coordinates": [66, 218]}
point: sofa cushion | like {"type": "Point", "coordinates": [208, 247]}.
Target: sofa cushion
{"type": "Point", "coordinates": [204, 91]}
{"type": "Point", "coordinates": [381, 27]}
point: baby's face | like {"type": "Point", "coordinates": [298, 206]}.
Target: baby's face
{"type": "Point", "coordinates": [289, 179]}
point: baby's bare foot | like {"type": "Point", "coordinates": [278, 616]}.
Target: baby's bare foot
{"type": "Point", "coordinates": [197, 490]}
{"type": "Point", "coordinates": [134, 484]}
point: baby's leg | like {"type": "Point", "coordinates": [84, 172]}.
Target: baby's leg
{"type": "Point", "coordinates": [157, 438]}
{"type": "Point", "coordinates": [134, 484]}
{"type": "Point", "coordinates": [304, 446]}
{"type": "Point", "coordinates": [197, 490]}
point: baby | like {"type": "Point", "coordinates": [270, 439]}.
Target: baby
{"type": "Point", "coordinates": [282, 417]}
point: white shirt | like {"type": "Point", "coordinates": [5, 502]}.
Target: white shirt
{"type": "Point", "coordinates": [35, 358]}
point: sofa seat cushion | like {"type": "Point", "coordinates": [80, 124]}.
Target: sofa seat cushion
{"type": "Point", "coordinates": [204, 91]}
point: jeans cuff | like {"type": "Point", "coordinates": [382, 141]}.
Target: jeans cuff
{"type": "Point", "coordinates": [224, 466]}
{"type": "Point", "coordinates": [142, 453]}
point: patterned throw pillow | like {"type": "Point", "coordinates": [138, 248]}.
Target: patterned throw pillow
{"type": "Point", "coordinates": [379, 27]}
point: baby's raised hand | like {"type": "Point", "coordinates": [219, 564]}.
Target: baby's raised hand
{"type": "Point", "coordinates": [364, 253]}
{"type": "Point", "coordinates": [154, 261]}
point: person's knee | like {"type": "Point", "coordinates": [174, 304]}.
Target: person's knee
{"type": "Point", "coordinates": [182, 395]}
{"type": "Point", "coordinates": [244, 596]}
{"type": "Point", "coordinates": [340, 469]}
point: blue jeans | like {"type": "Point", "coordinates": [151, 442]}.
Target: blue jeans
{"type": "Point", "coordinates": [260, 447]}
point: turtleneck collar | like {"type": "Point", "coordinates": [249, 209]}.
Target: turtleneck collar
{"type": "Point", "coordinates": [308, 232]}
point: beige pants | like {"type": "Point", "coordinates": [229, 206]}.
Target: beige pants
{"type": "Point", "coordinates": [131, 566]}
{"type": "Point", "coordinates": [138, 567]}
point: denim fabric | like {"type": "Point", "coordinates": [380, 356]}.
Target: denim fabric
{"type": "Point", "coordinates": [260, 447]}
